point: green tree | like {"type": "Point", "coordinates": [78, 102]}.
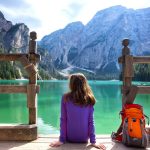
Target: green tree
{"type": "Point", "coordinates": [142, 72]}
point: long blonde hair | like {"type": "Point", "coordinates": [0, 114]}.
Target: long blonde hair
{"type": "Point", "coordinates": [80, 91]}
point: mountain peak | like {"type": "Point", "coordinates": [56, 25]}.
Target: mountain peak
{"type": "Point", "coordinates": [117, 8]}
{"type": "Point", "coordinates": [76, 24]}
{"type": "Point", "coordinates": [96, 46]}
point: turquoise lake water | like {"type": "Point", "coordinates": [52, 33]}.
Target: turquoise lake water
{"type": "Point", "coordinates": [107, 93]}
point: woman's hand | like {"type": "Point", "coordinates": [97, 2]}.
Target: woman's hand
{"type": "Point", "coordinates": [56, 144]}
{"type": "Point", "coordinates": [99, 146]}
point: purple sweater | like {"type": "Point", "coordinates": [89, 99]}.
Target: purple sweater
{"type": "Point", "coordinates": [76, 123]}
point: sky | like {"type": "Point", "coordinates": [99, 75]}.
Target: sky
{"type": "Point", "coordinates": [47, 16]}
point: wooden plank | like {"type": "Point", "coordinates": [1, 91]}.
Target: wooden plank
{"type": "Point", "coordinates": [28, 66]}
{"type": "Point", "coordinates": [120, 59]}
{"type": "Point", "coordinates": [31, 96]}
{"type": "Point", "coordinates": [17, 126]}
{"type": "Point", "coordinates": [37, 88]}
{"type": "Point", "coordinates": [125, 50]}
{"type": "Point", "coordinates": [16, 89]}
{"type": "Point", "coordinates": [15, 57]}
{"type": "Point", "coordinates": [32, 116]}
{"type": "Point", "coordinates": [33, 77]}
{"type": "Point", "coordinates": [32, 58]}
{"type": "Point", "coordinates": [137, 59]}
{"type": "Point", "coordinates": [128, 69]}
{"type": "Point", "coordinates": [13, 89]}
{"type": "Point", "coordinates": [32, 46]}
{"type": "Point", "coordinates": [18, 132]}
{"type": "Point", "coordinates": [141, 59]}
{"type": "Point", "coordinates": [143, 89]}
{"type": "Point", "coordinates": [131, 94]}
{"type": "Point", "coordinates": [127, 81]}
{"type": "Point", "coordinates": [43, 142]}
{"type": "Point", "coordinates": [11, 57]}
{"type": "Point", "coordinates": [126, 74]}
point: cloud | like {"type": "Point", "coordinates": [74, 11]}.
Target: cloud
{"type": "Point", "coordinates": [46, 16]}
{"type": "Point", "coordinates": [14, 4]}
{"type": "Point", "coordinates": [33, 22]}
{"type": "Point", "coordinates": [73, 10]}
{"type": "Point", "coordinates": [29, 21]}
{"type": "Point", "coordinates": [91, 7]}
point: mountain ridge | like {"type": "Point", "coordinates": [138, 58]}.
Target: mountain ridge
{"type": "Point", "coordinates": [92, 49]}
{"type": "Point", "coordinates": [98, 44]}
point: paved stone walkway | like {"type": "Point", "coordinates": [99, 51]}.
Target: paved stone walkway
{"type": "Point", "coordinates": [42, 143]}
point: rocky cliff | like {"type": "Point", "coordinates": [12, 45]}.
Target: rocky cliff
{"type": "Point", "coordinates": [95, 47]}
{"type": "Point", "coordinates": [13, 38]}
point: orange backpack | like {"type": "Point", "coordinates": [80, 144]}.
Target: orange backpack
{"type": "Point", "coordinates": [133, 123]}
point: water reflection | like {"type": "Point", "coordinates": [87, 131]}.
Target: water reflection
{"type": "Point", "coordinates": [13, 108]}
{"type": "Point", "coordinates": [46, 128]}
